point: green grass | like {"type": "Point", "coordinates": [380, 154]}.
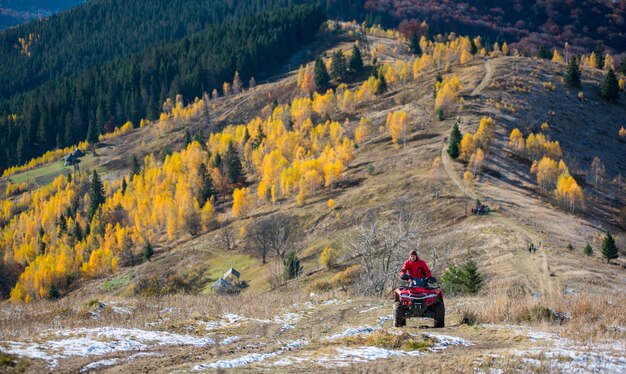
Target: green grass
{"type": "Point", "coordinates": [116, 283]}
{"type": "Point", "coordinates": [220, 261]}
{"type": "Point", "coordinates": [42, 175]}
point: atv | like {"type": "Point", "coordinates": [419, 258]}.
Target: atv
{"type": "Point", "coordinates": [421, 298]}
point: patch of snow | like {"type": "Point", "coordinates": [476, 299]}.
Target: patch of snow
{"type": "Point", "coordinates": [348, 356]}
{"type": "Point", "coordinates": [98, 341]}
{"type": "Point", "coordinates": [251, 358]}
{"type": "Point", "coordinates": [371, 309]}
{"type": "Point", "coordinates": [569, 291]}
{"type": "Point", "coordinates": [98, 364]}
{"type": "Point", "coordinates": [230, 340]}
{"type": "Point", "coordinates": [121, 310]}
{"type": "Point", "coordinates": [444, 341]}
{"type": "Point", "coordinates": [353, 331]}
{"type": "Point", "coordinates": [383, 319]}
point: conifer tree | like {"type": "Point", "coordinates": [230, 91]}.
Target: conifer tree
{"type": "Point", "coordinates": [96, 195]}
{"type": "Point", "coordinates": [610, 87]}
{"type": "Point", "coordinates": [588, 250]}
{"type": "Point", "coordinates": [415, 45]}
{"type": "Point", "coordinates": [188, 139]}
{"type": "Point", "coordinates": [622, 67]}
{"type": "Point", "coordinates": [600, 53]}
{"type": "Point", "coordinates": [573, 77]}
{"type": "Point", "coordinates": [543, 53]}
{"type": "Point", "coordinates": [206, 189]}
{"type": "Point", "coordinates": [473, 47]}
{"type": "Point", "coordinates": [292, 266]}
{"type": "Point", "coordinates": [234, 170]}
{"type": "Point", "coordinates": [454, 141]}
{"type": "Point", "coordinates": [356, 61]}
{"type": "Point", "coordinates": [338, 65]}
{"type": "Point", "coordinates": [148, 251]}
{"type": "Point", "coordinates": [134, 167]}
{"type": "Point", "coordinates": [124, 185]}
{"type": "Point", "coordinates": [472, 278]}
{"type": "Point", "coordinates": [609, 249]}
{"type": "Point", "coordinates": [53, 292]}
{"type": "Point", "coordinates": [382, 84]}
{"type": "Point", "coordinates": [321, 75]}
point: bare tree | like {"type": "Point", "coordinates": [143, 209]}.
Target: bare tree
{"type": "Point", "coordinates": [226, 238]}
{"type": "Point", "coordinates": [597, 173]}
{"type": "Point", "coordinates": [383, 244]}
{"type": "Point", "coordinates": [276, 233]}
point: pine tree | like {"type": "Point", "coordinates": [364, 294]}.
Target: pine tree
{"type": "Point", "coordinates": [206, 189]}
{"type": "Point", "coordinates": [473, 47]}
{"type": "Point", "coordinates": [609, 249]}
{"type": "Point", "coordinates": [124, 185]}
{"type": "Point", "coordinates": [600, 53]}
{"type": "Point", "coordinates": [588, 250]}
{"type": "Point", "coordinates": [610, 87]}
{"type": "Point", "coordinates": [96, 195]}
{"type": "Point", "coordinates": [415, 45]}
{"type": "Point", "coordinates": [292, 266]}
{"type": "Point", "coordinates": [543, 53]}
{"type": "Point", "coordinates": [356, 61]}
{"type": "Point", "coordinates": [622, 67]}
{"type": "Point", "coordinates": [188, 139]}
{"type": "Point", "coordinates": [382, 84]}
{"type": "Point", "coordinates": [454, 141]}
{"type": "Point", "coordinates": [148, 251]}
{"type": "Point", "coordinates": [321, 75]}
{"type": "Point", "coordinates": [573, 77]}
{"type": "Point", "coordinates": [53, 292]}
{"type": "Point", "coordinates": [473, 280]}
{"type": "Point", "coordinates": [135, 169]}
{"type": "Point", "coordinates": [234, 171]}
{"type": "Point", "coordinates": [338, 65]}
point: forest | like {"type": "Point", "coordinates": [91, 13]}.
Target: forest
{"type": "Point", "coordinates": [60, 112]}
{"type": "Point", "coordinates": [526, 25]}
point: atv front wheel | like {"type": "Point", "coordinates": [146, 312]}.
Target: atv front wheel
{"type": "Point", "coordinates": [440, 315]}
{"type": "Point", "coordinates": [399, 319]}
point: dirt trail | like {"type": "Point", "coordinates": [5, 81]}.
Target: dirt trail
{"type": "Point", "coordinates": [486, 79]}
{"type": "Point", "coordinates": [540, 275]}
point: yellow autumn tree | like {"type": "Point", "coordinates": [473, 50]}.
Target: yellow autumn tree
{"type": "Point", "coordinates": [569, 193]}
{"type": "Point", "coordinates": [243, 202]}
{"type": "Point", "coordinates": [397, 123]}
{"type": "Point", "coordinates": [516, 140]}
{"type": "Point", "coordinates": [467, 146]}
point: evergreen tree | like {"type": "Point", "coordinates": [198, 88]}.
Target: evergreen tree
{"type": "Point", "coordinates": [321, 75]}
{"type": "Point", "coordinates": [543, 53]}
{"type": "Point", "coordinates": [135, 169]}
{"type": "Point", "coordinates": [292, 266]}
{"type": "Point", "coordinates": [62, 224]}
{"type": "Point", "coordinates": [124, 185]}
{"type": "Point", "coordinates": [356, 60]}
{"type": "Point", "coordinates": [415, 45]}
{"type": "Point", "coordinates": [454, 141]}
{"type": "Point", "coordinates": [42, 243]}
{"type": "Point", "coordinates": [382, 84]}
{"type": "Point", "coordinates": [96, 195]}
{"type": "Point", "coordinates": [473, 48]}
{"type": "Point", "coordinates": [609, 249]}
{"type": "Point", "coordinates": [338, 66]}
{"type": "Point", "coordinates": [473, 280]}
{"type": "Point", "coordinates": [92, 133]}
{"type": "Point", "coordinates": [206, 189]}
{"type": "Point", "coordinates": [573, 77]}
{"type": "Point", "coordinates": [148, 251]}
{"type": "Point", "coordinates": [588, 250]}
{"type": "Point", "coordinates": [610, 87]}
{"type": "Point", "coordinates": [188, 139]}
{"type": "Point", "coordinates": [234, 171]}
{"type": "Point", "coordinates": [53, 292]}
{"type": "Point", "coordinates": [600, 54]}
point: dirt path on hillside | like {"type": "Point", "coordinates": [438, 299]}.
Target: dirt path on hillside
{"type": "Point", "coordinates": [486, 79]}
{"type": "Point", "coordinates": [538, 274]}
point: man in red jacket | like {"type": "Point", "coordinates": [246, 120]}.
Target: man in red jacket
{"type": "Point", "coordinates": [414, 267]}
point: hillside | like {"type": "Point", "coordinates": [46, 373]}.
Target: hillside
{"type": "Point", "coordinates": [555, 310]}
{"type": "Point", "coordinates": [14, 12]}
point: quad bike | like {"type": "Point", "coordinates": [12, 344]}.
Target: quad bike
{"type": "Point", "coordinates": [480, 209]}
{"type": "Point", "coordinates": [421, 298]}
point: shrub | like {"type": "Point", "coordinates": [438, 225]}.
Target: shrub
{"type": "Point", "coordinates": [328, 257]}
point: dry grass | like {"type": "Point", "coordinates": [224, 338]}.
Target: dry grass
{"type": "Point", "coordinates": [587, 315]}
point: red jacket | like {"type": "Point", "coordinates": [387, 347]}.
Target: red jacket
{"type": "Point", "coordinates": [416, 269]}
